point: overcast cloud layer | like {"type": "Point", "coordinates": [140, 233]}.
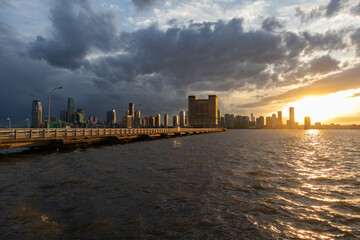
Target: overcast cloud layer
{"type": "Point", "coordinates": [107, 55]}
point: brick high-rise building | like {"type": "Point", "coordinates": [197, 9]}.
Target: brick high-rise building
{"type": "Point", "coordinates": [203, 112]}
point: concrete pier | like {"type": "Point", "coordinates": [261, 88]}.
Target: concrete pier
{"type": "Point", "coordinates": [82, 137]}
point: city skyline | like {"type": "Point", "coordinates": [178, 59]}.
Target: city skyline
{"type": "Point", "coordinates": [257, 56]}
{"type": "Point", "coordinates": [79, 116]}
{"type": "Point", "coordinates": [203, 112]}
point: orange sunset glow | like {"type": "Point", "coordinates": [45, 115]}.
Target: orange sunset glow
{"type": "Point", "coordinates": [324, 108]}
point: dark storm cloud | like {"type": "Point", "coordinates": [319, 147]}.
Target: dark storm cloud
{"type": "Point", "coordinates": [307, 16]}
{"type": "Point", "coordinates": [200, 56]}
{"type": "Point", "coordinates": [204, 52]}
{"type": "Point", "coordinates": [145, 4]}
{"type": "Point", "coordinates": [329, 41]}
{"type": "Point", "coordinates": [271, 23]}
{"type": "Point", "coordinates": [333, 7]}
{"type": "Point", "coordinates": [323, 64]}
{"type": "Point", "coordinates": [76, 30]}
{"type": "Point", "coordinates": [329, 10]}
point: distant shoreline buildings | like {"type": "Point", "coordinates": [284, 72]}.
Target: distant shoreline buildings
{"type": "Point", "coordinates": [201, 113]}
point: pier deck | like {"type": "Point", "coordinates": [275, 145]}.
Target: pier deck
{"type": "Point", "coordinates": [75, 137]}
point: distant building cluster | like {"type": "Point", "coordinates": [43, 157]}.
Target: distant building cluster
{"type": "Point", "coordinates": [273, 122]}
{"type": "Point", "coordinates": [202, 113]}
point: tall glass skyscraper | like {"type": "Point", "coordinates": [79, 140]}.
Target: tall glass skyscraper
{"type": "Point", "coordinates": [292, 117]}
{"type": "Point", "coordinates": [71, 116]}
{"type": "Point", "coordinates": [36, 114]}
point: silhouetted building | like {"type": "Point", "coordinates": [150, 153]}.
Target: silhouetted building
{"type": "Point", "coordinates": [203, 112]}
{"type": "Point", "coordinates": [318, 125]}
{"type": "Point", "coordinates": [91, 120]}
{"type": "Point", "coordinates": [36, 114]}
{"type": "Point", "coordinates": [145, 122]}
{"type": "Point", "coordinates": [291, 117]}
{"type": "Point", "coordinates": [280, 121]}
{"type": "Point", "coordinates": [166, 120]}
{"type": "Point", "coordinates": [131, 109]}
{"type": "Point", "coordinates": [260, 122]}
{"type": "Point", "coordinates": [229, 120]}
{"type": "Point", "coordinates": [137, 121]}
{"type": "Point", "coordinates": [244, 122]}
{"type": "Point", "coordinates": [175, 121]}
{"type": "Point", "coordinates": [64, 116]}
{"type": "Point", "coordinates": [70, 110]}
{"type": "Point", "coordinates": [222, 122]}
{"type": "Point", "coordinates": [152, 121]}
{"type": "Point", "coordinates": [182, 119]}
{"type": "Point", "coordinates": [237, 121]}
{"type": "Point", "coordinates": [111, 117]}
{"type": "Point", "coordinates": [80, 116]}
{"type": "Point", "coordinates": [53, 119]}
{"type": "Point", "coordinates": [274, 121]}
{"type": "Point", "coordinates": [127, 121]}
{"type": "Point", "coordinates": [158, 120]}
{"type": "Point", "coordinates": [307, 123]}
{"type": "Point", "coordinates": [268, 122]}
{"type": "Point", "coordinates": [219, 117]}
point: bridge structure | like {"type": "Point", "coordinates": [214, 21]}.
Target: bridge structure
{"type": "Point", "coordinates": [82, 137]}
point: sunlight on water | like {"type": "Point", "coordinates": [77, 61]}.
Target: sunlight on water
{"type": "Point", "coordinates": [280, 184]}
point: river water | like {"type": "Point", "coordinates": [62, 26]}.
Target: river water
{"type": "Point", "coordinates": [240, 184]}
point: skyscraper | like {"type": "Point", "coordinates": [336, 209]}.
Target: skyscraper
{"type": "Point", "coordinates": [203, 112]}
{"type": "Point", "coordinates": [280, 121]}
{"type": "Point", "coordinates": [80, 116]}
{"type": "Point", "coordinates": [219, 117]}
{"type": "Point", "coordinates": [137, 121]}
{"type": "Point", "coordinates": [175, 121]}
{"type": "Point", "coordinates": [229, 120]}
{"type": "Point", "coordinates": [182, 118]}
{"type": "Point", "coordinates": [166, 120]}
{"type": "Point", "coordinates": [152, 121]}
{"type": "Point", "coordinates": [158, 121]}
{"type": "Point", "coordinates": [274, 121]}
{"type": "Point", "coordinates": [132, 109]}
{"type": "Point", "coordinates": [260, 122]}
{"type": "Point", "coordinates": [70, 105]}
{"type": "Point", "coordinates": [36, 114]}
{"type": "Point", "coordinates": [307, 123]}
{"type": "Point", "coordinates": [111, 116]}
{"type": "Point", "coordinates": [252, 118]}
{"type": "Point", "coordinates": [64, 116]}
{"type": "Point", "coordinates": [291, 117]}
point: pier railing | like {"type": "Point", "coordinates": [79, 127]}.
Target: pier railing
{"type": "Point", "coordinates": [33, 133]}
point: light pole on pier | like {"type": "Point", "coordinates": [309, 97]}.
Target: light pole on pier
{"type": "Point", "coordinates": [48, 120]}
{"type": "Point", "coordinates": [9, 119]}
{"type": "Point", "coordinates": [28, 125]}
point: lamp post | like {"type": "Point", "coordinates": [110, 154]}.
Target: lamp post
{"type": "Point", "coordinates": [27, 120]}
{"type": "Point", "coordinates": [9, 119]}
{"type": "Point", "coordinates": [48, 120]}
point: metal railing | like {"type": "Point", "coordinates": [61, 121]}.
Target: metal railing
{"type": "Point", "coordinates": [32, 133]}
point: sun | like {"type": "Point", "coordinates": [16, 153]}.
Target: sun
{"type": "Point", "coordinates": [323, 108]}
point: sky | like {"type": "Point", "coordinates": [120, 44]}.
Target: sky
{"type": "Point", "coordinates": [256, 56]}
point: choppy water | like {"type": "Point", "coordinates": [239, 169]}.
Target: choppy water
{"type": "Point", "coordinates": [241, 184]}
